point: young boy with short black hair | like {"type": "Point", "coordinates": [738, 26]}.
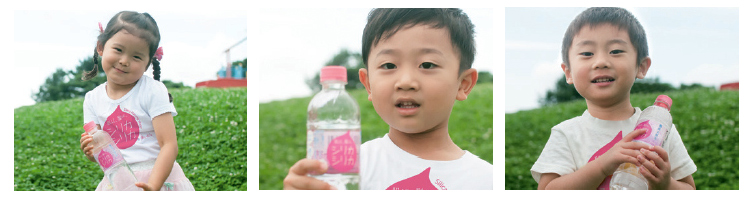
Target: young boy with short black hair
{"type": "Point", "coordinates": [418, 64]}
{"type": "Point", "coordinates": [604, 51]}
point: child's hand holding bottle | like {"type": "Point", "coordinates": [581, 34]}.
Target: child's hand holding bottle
{"type": "Point", "coordinates": [297, 178]}
{"type": "Point", "coordinates": [86, 146]}
{"type": "Point", "coordinates": [625, 151]}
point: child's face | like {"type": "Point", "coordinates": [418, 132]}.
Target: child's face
{"type": "Point", "coordinates": [603, 64]}
{"type": "Point", "coordinates": [124, 58]}
{"type": "Point", "coordinates": [413, 79]}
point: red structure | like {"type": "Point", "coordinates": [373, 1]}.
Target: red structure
{"type": "Point", "coordinates": [729, 86]}
{"type": "Point", "coordinates": [222, 83]}
{"type": "Point", "coordinates": [228, 80]}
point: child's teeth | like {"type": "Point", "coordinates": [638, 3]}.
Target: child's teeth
{"type": "Point", "coordinates": [602, 80]}
{"type": "Point", "coordinates": [408, 105]}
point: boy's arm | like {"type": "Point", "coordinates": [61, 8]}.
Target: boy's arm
{"type": "Point", "coordinates": [591, 175]}
{"type": "Point", "coordinates": [588, 177]}
{"type": "Point", "coordinates": [686, 183]}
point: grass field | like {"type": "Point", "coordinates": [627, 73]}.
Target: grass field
{"type": "Point", "coordinates": [210, 126]}
{"type": "Point", "coordinates": [282, 130]}
{"type": "Point", "coordinates": [707, 121]}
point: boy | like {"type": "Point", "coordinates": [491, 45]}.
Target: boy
{"type": "Point", "coordinates": [604, 51]}
{"type": "Point", "coordinates": [418, 63]}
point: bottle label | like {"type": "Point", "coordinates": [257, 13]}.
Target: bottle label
{"type": "Point", "coordinates": [107, 156]}
{"type": "Point", "coordinates": [338, 148]}
{"type": "Point", "coordinates": [655, 135]}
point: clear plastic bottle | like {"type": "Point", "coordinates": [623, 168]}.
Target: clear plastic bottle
{"type": "Point", "coordinates": [657, 121]}
{"type": "Point", "coordinates": [334, 130]}
{"type": "Point", "coordinates": [108, 156]}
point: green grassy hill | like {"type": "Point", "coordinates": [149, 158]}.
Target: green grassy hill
{"type": "Point", "coordinates": [210, 126]}
{"type": "Point", "coordinates": [706, 119]}
{"type": "Point", "coordinates": [282, 130]}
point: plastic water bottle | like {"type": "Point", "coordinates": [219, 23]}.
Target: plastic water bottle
{"type": "Point", "coordinates": [334, 130]}
{"type": "Point", "coordinates": [656, 120]}
{"type": "Point", "coordinates": [108, 156]}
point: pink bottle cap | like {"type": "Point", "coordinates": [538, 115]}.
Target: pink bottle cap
{"type": "Point", "coordinates": [664, 101]}
{"type": "Point", "coordinates": [90, 126]}
{"type": "Point", "coordinates": [337, 73]}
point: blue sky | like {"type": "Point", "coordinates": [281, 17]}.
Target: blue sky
{"type": "Point", "coordinates": [194, 43]}
{"type": "Point", "coordinates": [295, 43]}
{"type": "Point", "coordinates": [686, 45]}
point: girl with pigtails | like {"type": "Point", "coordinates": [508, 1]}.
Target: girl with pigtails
{"type": "Point", "coordinates": [136, 110]}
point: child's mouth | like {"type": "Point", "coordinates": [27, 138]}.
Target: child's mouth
{"type": "Point", "coordinates": [407, 108]}
{"type": "Point", "coordinates": [407, 105]}
{"type": "Point", "coordinates": [603, 80]}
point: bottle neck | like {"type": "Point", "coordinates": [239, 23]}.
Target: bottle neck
{"type": "Point", "coordinates": [662, 104]}
{"type": "Point", "coordinates": [333, 85]}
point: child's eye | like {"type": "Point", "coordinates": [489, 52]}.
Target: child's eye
{"type": "Point", "coordinates": [586, 53]}
{"type": "Point", "coordinates": [427, 65]}
{"type": "Point", "coordinates": [137, 57]}
{"type": "Point", "coordinates": [617, 51]}
{"type": "Point", "coordinates": [388, 66]}
{"type": "Point", "coordinates": [117, 49]}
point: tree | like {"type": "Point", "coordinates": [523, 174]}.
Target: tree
{"type": "Point", "coordinates": [351, 61]}
{"type": "Point", "coordinates": [564, 92]}
{"type": "Point", "coordinates": [64, 84]}
{"type": "Point", "coordinates": [484, 77]}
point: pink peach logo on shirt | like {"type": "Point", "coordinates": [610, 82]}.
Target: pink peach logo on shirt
{"type": "Point", "coordinates": [123, 128]}
{"type": "Point", "coordinates": [417, 182]}
{"type": "Point", "coordinates": [105, 159]}
{"type": "Point", "coordinates": [605, 185]}
{"type": "Point", "coordinates": [342, 153]}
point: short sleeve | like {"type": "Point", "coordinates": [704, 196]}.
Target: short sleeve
{"type": "Point", "coordinates": [157, 100]}
{"type": "Point", "coordinates": [556, 157]}
{"type": "Point", "coordinates": [680, 162]}
{"type": "Point", "coordinates": [89, 114]}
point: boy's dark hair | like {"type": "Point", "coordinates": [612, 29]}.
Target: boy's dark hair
{"type": "Point", "coordinates": [141, 25]}
{"type": "Point", "coordinates": [619, 17]}
{"type": "Point", "coordinates": [382, 23]}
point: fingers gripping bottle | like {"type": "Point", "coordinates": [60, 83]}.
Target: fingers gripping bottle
{"type": "Point", "coordinates": [656, 120]}
{"type": "Point", "coordinates": [110, 160]}
{"type": "Point", "coordinates": [334, 130]}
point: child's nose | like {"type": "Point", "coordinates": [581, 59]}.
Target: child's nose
{"type": "Point", "coordinates": [123, 61]}
{"type": "Point", "coordinates": [407, 81]}
{"type": "Point", "coordinates": [601, 62]}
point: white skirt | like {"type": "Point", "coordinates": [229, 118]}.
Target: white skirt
{"type": "Point", "coordinates": [176, 181]}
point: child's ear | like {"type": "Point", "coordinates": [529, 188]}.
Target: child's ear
{"type": "Point", "coordinates": [364, 78]}
{"type": "Point", "coordinates": [468, 81]}
{"type": "Point", "coordinates": [567, 72]}
{"type": "Point", "coordinates": [643, 68]}
{"type": "Point", "coordinates": [100, 49]}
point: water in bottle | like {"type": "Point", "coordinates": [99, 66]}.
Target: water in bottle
{"type": "Point", "coordinates": [656, 120]}
{"type": "Point", "coordinates": [334, 130]}
{"type": "Point", "coordinates": [108, 156]}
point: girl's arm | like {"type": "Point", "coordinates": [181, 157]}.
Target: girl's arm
{"type": "Point", "coordinates": [164, 128]}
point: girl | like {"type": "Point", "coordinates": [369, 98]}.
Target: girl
{"type": "Point", "coordinates": [135, 110]}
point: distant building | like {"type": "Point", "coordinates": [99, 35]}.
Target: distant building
{"type": "Point", "coordinates": [729, 86]}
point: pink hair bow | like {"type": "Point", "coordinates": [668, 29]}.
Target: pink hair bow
{"type": "Point", "coordinates": [100, 27]}
{"type": "Point", "coordinates": [158, 54]}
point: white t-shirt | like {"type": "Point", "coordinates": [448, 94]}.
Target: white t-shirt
{"type": "Point", "coordinates": [581, 139]}
{"type": "Point", "coordinates": [128, 120]}
{"type": "Point", "coordinates": [384, 166]}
